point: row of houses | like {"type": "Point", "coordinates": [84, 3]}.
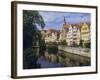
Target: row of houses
{"type": "Point", "coordinates": [71, 33]}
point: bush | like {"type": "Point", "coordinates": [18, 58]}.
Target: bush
{"type": "Point", "coordinates": [63, 43]}
{"type": "Point", "coordinates": [87, 44]}
{"type": "Point", "coordinates": [81, 43]}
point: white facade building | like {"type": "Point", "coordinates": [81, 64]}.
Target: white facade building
{"type": "Point", "coordinates": [54, 37]}
{"type": "Point", "coordinates": [76, 35]}
{"type": "Point", "coordinates": [73, 36]}
{"type": "Point", "coordinates": [69, 37]}
{"type": "Point", "coordinates": [51, 36]}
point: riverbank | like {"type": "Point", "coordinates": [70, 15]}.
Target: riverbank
{"type": "Point", "coordinates": [74, 50]}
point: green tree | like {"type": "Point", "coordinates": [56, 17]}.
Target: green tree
{"type": "Point", "coordinates": [81, 43]}
{"type": "Point", "coordinates": [30, 17]}
{"type": "Point", "coordinates": [63, 43]}
{"type": "Point", "coordinates": [31, 35]}
{"type": "Point", "coordinates": [87, 44]}
{"type": "Point", "coordinates": [30, 30]}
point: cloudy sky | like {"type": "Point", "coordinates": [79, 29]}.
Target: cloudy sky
{"type": "Point", "coordinates": [55, 20]}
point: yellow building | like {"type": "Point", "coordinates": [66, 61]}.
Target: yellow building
{"type": "Point", "coordinates": [85, 33]}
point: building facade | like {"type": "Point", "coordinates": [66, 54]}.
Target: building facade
{"type": "Point", "coordinates": [69, 37]}
{"type": "Point", "coordinates": [85, 33]}
{"type": "Point", "coordinates": [50, 36]}
{"type": "Point", "coordinates": [71, 34]}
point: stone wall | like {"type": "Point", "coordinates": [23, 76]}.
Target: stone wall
{"type": "Point", "coordinates": [80, 51]}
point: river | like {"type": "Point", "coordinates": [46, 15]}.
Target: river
{"type": "Point", "coordinates": [62, 59]}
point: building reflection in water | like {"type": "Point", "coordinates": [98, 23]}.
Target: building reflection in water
{"type": "Point", "coordinates": [61, 59]}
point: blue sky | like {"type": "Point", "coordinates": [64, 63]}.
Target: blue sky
{"type": "Point", "coordinates": [55, 20]}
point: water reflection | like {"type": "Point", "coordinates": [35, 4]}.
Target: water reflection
{"type": "Point", "coordinates": [62, 59]}
{"type": "Point", "coordinates": [33, 58]}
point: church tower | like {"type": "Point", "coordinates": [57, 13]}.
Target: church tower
{"type": "Point", "coordinates": [64, 20]}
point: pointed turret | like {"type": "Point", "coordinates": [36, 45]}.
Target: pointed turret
{"type": "Point", "coordinates": [64, 20]}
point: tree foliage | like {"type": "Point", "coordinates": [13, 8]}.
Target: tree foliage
{"type": "Point", "coordinates": [31, 35]}
{"type": "Point", "coordinates": [30, 30]}
{"type": "Point", "coordinates": [30, 17]}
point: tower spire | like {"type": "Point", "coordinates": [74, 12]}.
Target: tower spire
{"type": "Point", "coordinates": [64, 20]}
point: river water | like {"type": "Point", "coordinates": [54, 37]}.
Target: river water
{"type": "Point", "coordinates": [61, 59]}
